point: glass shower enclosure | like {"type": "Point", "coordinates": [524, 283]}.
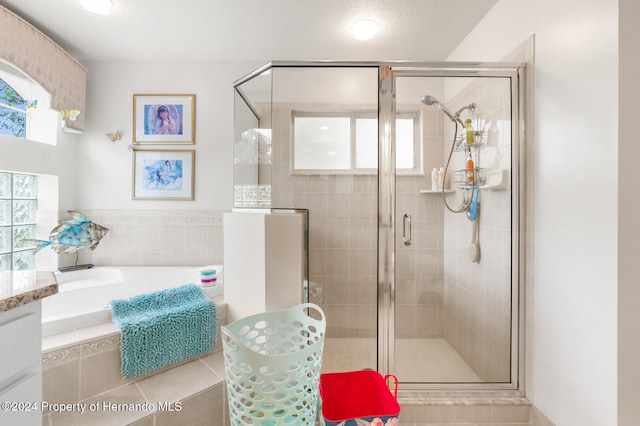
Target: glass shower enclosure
{"type": "Point", "coordinates": [415, 220]}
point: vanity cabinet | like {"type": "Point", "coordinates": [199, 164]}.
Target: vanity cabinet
{"type": "Point", "coordinates": [21, 293]}
{"type": "Point", "coordinates": [21, 365]}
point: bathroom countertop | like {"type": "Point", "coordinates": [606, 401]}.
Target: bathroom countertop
{"type": "Point", "coordinates": [18, 288]}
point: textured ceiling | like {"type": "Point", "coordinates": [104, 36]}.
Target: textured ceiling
{"type": "Point", "coordinates": [423, 30]}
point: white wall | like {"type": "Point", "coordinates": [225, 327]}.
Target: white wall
{"type": "Point", "coordinates": [106, 167]}
{"type": "Point", "coordinates": [19, 155]}
{"type": "Point", "coordinates": [572, 371]}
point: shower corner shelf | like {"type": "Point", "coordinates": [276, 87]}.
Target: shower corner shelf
{"type": "Point", "coordinates": [496, 179]}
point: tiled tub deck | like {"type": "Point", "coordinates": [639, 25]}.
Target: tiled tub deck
{"type": "Point", "coordinates": [81, 369]}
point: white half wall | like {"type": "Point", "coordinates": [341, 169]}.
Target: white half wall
{"type": "Point", "coordinates": [572, 367]}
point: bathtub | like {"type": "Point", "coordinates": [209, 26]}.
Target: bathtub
{"type": "Point", "coordinates": [83, 296]}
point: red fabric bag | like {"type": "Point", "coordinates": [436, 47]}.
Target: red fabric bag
{"type": "Point", "coordinates": [358, 398]}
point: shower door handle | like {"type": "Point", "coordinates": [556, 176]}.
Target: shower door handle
{"type": "Point", "coordinates": [406, 223]}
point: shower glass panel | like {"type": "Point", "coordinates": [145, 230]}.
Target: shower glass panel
{"type": "Point", "coordinates": [409, 286]}
{"type": "Point", "coordinates": [315, 166]}
{"type": "Point", "coordinates": [252, 143]}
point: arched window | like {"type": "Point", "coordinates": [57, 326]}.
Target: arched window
{"type": "Point", "coordinates": [25, 110]}
{"type": "Point", "coordinates": [13, 112]}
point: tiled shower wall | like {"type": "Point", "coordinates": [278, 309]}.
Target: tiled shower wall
{"type": "Point", "coordinates": [154, 238]}
{"type": "Point", "coordinates": [477, 302]}
{"type": "Point", "coordinates": [342, 235]}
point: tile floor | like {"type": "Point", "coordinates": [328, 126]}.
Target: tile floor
{"type": "Point", "coordinates": [430, 360]}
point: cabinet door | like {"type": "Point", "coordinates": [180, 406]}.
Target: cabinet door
{"type": "Point", "coordinates": [23, 397]}
{"type": "Point", "coordinates": [20, 334]}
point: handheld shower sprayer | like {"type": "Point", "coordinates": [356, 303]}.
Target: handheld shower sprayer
{"type": "Point", "coordinates": [467, 198]}
{"type": "Point", "coordinates": [430, 100]}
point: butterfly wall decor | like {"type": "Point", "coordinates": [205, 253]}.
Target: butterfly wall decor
{"type": "Point", "coordinates": [113, 136]}
{"type": "Point", "coordinates": [33, 104]}
{"type": "Point", "coordinates": [71, 114]}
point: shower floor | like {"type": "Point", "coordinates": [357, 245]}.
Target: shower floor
{"type": "Point", "coordinates": [426, 360]}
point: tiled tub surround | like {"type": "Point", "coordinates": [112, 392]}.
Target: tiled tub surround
{"type": "Point", "coordinates": [155, 238]}
{"type": "Point", "coordinates": [83, 365]}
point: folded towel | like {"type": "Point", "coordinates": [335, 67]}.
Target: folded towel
{"type": "Point", "coordinates": [163, 328]}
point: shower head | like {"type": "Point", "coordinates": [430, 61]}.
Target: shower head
{"type": "Point", "coordinates": [430, 100]}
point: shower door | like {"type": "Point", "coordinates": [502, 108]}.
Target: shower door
{"type": "Point", "coordinates": [454, 309]}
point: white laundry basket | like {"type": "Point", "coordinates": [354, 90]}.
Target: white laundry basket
{"type": "Point", "coordinates": [272, 363]}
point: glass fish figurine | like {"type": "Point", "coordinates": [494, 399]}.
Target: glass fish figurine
{"type": "Point", "coordinates": [72, 235]}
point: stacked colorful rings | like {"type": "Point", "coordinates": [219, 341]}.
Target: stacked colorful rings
{"type": "Point", "coordinates": [208, 276]}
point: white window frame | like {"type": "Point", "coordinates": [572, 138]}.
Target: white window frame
{"type": "Point", "coordinates": [417, 169]}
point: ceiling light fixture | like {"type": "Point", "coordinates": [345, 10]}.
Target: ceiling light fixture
{"type": "Point", "coordinates": [364, 29]}
{"type": "Point", "coordinates": [99, 7]}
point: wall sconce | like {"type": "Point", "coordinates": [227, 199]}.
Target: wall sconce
{"type": "Point", "coordinates": [113, 136]}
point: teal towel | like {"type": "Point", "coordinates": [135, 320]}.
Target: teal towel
{"type": "Point", "coordinates": [163, 328]}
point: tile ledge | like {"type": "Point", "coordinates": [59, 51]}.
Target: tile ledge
{"type": "Point", "coordinates": [503, 401]}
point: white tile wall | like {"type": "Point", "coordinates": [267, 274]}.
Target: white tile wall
{"type": "Point", "coordinates": [342, 235]}
{"type": "Point", "coordinates": [155, 237]}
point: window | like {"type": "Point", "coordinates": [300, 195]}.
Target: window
{"type": "Point", "coordinates": [13, 112]}
{"type": "Point", "coordinates": [24, 108]}
{"type": "Point", "coordinates": [348, 143]}
{"type": "Point", "coordinates": [18, 204]}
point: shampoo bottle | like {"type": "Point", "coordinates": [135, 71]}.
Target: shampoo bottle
{"type": "Point", "coordinates": [434, 179]}
{"type": "Point", "coordinates": [470, 132]}
{"type": "Point", "coordinates": [470, 170]}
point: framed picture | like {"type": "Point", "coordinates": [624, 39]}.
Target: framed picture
{"type": "Point", "coordinates": [164, 119]}
{"type": "Point", "coordinates": [163, 175]}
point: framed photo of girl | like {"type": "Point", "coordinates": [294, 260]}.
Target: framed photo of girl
{"type": "Point", "coordinates": [164, 119]}
{"type": "Point", "coordinates": [163, 175]}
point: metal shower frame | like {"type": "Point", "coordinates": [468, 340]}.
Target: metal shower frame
{"type": "Point", "coordinates": [386, 285]}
